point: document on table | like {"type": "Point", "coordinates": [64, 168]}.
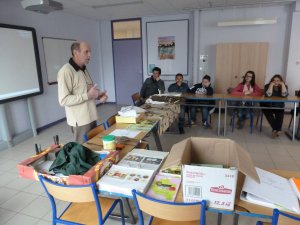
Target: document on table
{"type": "Point", "coordinates": [125, 132]}
{"type": "Point", "coordinates": [273, 191]}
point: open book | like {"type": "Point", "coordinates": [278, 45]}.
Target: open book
{"type": "Point", "coordinates": [273, 191]}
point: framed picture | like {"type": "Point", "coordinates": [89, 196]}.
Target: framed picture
{"type": "Point", "coordinates": [57, 53]}
{"type": "Point", "coordinates": [167, 46]}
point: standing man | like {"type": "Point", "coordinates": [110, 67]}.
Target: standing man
{"type": "Point", "coordinates": [77, 92]}
{"type": "Point", "coordinates": [180, 87]}
{"type": "Point", "coordinates": [153, 85]}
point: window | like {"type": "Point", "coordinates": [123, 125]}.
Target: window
{"type": "Point", "coordinates": [126, 29]}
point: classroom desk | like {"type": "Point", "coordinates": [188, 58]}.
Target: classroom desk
{"type": "Point", "coordinates": [199, 97]}
{"type": "Point", "coordinates": [252, 210]}
{"type": "Point", "coordinates": [290, 99]}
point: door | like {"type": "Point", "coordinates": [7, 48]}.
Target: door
{"type": "Point", "coordinates": [233, 60]}
{"type": "Point", "coordinates": [128, 69]}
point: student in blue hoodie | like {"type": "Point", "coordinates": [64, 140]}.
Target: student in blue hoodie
{"type": "Point", "coordinates": [203, 88]}
{"type": "Point", "coordinates": [180, 87]}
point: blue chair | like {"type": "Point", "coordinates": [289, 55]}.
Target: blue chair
{"type": "Point", "coordinates": [85, 205]}
{"type": "Point", "coordinates": [161, 211]}
{"type": "Point", "coordinates": [281, 218]}
{"type": "Point", "coordinates": [110, 121]}
{"type": "Point", "coordinates": [93, 132]}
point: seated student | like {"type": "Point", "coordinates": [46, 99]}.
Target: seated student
{"type": "Point", "coordinates": [205, 89]}
{"type": "Point", "coordinates": [246, 87]}
{"type": "Point", "coordinates": [153, 85]}
{"type": "Point", "coordinates": [276, 87]}
{"type": "Point", "coordinates": [180, 87]}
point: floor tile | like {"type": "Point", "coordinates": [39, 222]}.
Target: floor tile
{"type": "Point", "coordinates": [18, 201]}
{"type": "Point", "coordinates": [20, 219]}
{"type": "Point", "coordinates": [38, 208]}
{"type": "Point", "coordinates": [6, 215]}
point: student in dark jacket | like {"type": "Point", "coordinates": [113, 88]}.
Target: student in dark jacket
{"type": "Point", "coordinates": [153, 85]}
{"type": "Point", "coordinates": [180, 87]}
{"type": "Point", "coordinates": [203, 88]}
{"type": "Point", "coordinates": [276, 87]}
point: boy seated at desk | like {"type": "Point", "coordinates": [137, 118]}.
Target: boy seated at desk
{"type": "Point", "coordinates": [203, 88]}
{"type": "Point", "coordinates": [180, 87]}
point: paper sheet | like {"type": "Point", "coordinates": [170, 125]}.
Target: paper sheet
{"type": "Point", "coordinates": [125, 132]}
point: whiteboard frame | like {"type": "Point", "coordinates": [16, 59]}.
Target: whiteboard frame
{"type": "Point", "coordinates": [62, 57]}
{"type": "Point", "coordinates": [177, 28]}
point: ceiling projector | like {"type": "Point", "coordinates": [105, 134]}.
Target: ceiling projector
{"type": "Point", "coordinates": [41, 6]}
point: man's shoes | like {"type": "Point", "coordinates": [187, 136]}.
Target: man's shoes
{"type": "Point", "coordinates": [181, 130]}
{"type": "Point", "coordinates": [276, 133]}
{"type": "Point", "coordinates": [207, 125]}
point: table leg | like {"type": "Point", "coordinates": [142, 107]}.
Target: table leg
{"type": "Point", "coordinates": [235, 219]}
{"type": "Point", "coordinates": [156, 137]}
{"type": "Point", "coordinates": [225, 116]}
{"type": "Point", "coordinates": [219, 118]}
{"type": "Point", "coordinates": [219, 222]}
{"type": "Point", "coordinates": [294, 121]}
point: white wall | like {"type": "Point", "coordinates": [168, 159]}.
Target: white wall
{"type": "Point", "coordinates": [293, 66]}
{"type": "Point", "coordinates": [58, 25]}
{"type": "Point", "coordinates": [277, 35]}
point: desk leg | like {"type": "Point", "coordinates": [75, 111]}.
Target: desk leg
{"type": "Point", "coordinates": [225, 116]}
{"type": "Point", "coordinates": [236, 219]}
{"type": "Point", "coordinates": [219, 118]}
{"type": "Point", "coordinates": [156, 137]}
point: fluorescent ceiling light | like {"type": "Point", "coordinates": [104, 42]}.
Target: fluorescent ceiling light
{"type": "Point", "coordinates": [258, 21]}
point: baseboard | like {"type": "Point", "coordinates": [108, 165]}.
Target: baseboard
{"type": "Point", "coordinates": [50, 125]}
{"type": "Point", "coordinates": [23, 136]}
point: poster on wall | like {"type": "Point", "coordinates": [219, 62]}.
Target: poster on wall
{"type": "Point", "coordinates": [167, 46]}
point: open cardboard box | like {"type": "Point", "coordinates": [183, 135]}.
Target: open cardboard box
{"type": "Point", "coordinates": [212, 151]}
{"type": "Point", "coordinates": [37, 164]}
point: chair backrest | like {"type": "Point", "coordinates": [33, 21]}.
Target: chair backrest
{"type": "Point", "coordinates": [92, 133]}
{"type": "Point", "coordinates": [135, 98]}
{"type": "Point", "coordinates": [173, 211]}
{"type": "Point", "coordinates": [281, 218]}
{"type": "Point", "coordinates": [82, 193]}
{"type": "Point", "coordinates": [110, 121]}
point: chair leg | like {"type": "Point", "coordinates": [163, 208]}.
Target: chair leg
{"type": "Point", "coordinates": [291, 120]}
{"type": "Point", "coordinates": [251, 122]}
{"type": "Point", "coordinates": [261, 120]}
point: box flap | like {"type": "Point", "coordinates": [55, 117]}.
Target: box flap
{"type": "Point", "coordinates": [245, 163]}
{"type": "Point", "coordinates": [180, 153]}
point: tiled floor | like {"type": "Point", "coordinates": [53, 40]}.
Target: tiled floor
{"type": "Point", "coordinates": [23, 202]}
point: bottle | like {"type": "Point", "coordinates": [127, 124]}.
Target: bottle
{"type": "Point", "coordinates": [109, 142]}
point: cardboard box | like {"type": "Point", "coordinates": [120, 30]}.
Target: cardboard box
{"type": "Point", "coordinates": [128, 119]}
{"type": "Point", "coordinates": [30, 168]}
{"type": "Point", "coordinates": [212, 151]}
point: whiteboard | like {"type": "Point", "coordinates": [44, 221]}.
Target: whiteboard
{"type": "Point", "coordinates": [175, 30]}
{"type": "Point", "coordinates": [20, 75]}
{"type": "Point", "coordinates": [57, 53]}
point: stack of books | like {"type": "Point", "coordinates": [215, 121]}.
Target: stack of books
{"type": "Point", "coordinates": [135, 171]}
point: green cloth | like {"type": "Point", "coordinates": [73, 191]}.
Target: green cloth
{"type": "Point", "coordinates": [74, 159]}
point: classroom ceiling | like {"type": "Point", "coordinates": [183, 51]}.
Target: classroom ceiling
{"type": "Point", "coordinates": [122, 9]}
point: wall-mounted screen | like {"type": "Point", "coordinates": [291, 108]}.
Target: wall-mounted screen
{"type": "Point", "coordinates": [20, 73]}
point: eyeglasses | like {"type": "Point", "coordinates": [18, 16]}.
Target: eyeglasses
{"type": "Point", "coordinates": [248, 76]}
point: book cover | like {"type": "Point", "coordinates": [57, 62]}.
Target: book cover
{"type": "Point", "coordinates": [121, 180]}
{"type": "Point", "coordinates": [272, 189]}
{"type": "Point", "coordinates": [164, 187]}
{"type": "Point", "coordinates": [144, 159]}
{"type": "Point", "coordinates": [295, 182]}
